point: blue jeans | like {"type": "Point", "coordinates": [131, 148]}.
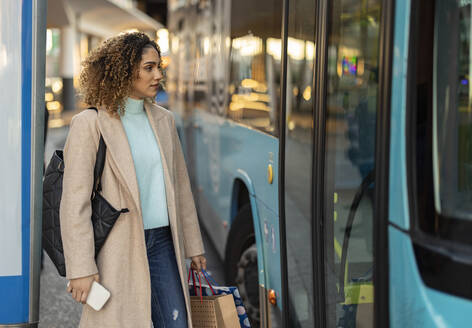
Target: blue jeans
{"type": "Point", "coordinates": [167, 298]}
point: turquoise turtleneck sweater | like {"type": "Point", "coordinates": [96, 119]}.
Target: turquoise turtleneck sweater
{"type": "Point", "coordinates": [147, 163]}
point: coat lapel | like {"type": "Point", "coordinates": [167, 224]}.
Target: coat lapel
{"type": "Point", "coordinates": [116, 140]}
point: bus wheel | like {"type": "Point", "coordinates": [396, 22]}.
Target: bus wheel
{"type": "Point", "coordinates": [241, 262]}
{"type": "Point", "coordinates": [247, 281]}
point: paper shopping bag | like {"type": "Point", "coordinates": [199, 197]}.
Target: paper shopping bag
{"type": "Point", "coordinates": [216, 311]}
{"type": "Point", "coordinates": [212, 288]}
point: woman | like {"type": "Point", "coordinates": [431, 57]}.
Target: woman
{"type": "Point", "coordinates": [142, 262]}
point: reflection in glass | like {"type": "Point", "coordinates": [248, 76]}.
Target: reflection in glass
{"type": "Point", "coordinates": [200, 78]}
{"type": "Point", "coordinates": [452, 112]}
{"type": "Point", "coordinates": [353, 48]}
{"type": "Point", "coordinates": [298, 163]}
{"type": "Point", "coordinates": [254, 84]}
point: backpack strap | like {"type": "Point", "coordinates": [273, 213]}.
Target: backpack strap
{"type": "Point", "coordinates": [99, 162]}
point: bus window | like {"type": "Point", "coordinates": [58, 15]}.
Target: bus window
{"type": "Point", "coordinates": [452, 113]}
{"type": "Point", "coordinates": [254, 83]}
{"type": "Point", "coordinates": [441, 143]}
{"type": "Point", "coordinates": [352, 88]}
{"type": "Point", "coordinates": [299, 162]}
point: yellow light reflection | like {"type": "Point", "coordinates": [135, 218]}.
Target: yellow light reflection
{"type": "Point", "coordinates": [249, 83]}
{"type": "Point", "coordinates": [307, 93]}
{"type": "Point", "coordinates": [56, 86]}
{"type": "Point", "coordinates": [48, 96]}
{"type": "Point", "coordinates": [48, 40]}
{"type": "Point", "coordinates": [348, 52]}
{"type": "Point", "coordinates": [165, 61]}
{"type": "Point", "coordinates": [295, 91]}
{"type": "Point", "coordinates": [310, 50]}
{"type": "Point", "coordinates": [262, 97]}
{"type": "Point", "coordinates": [56, 123]}
{"type": "Point", "coordinates": [261, 87]}
{"type": "Point", "coordinates": [248, 45]}
{"type": "Point", "coordinates": [76, 81]}
{"type": "Point", "coordinates": [251, 97]}
{"type": "Point", "coordinates": [175, 44]}
{"type": "Point", "coordinates": [163, 40]}
{"type": "Point", "coordinates": [240, 104]}
{"type": "Point", "coordinates": [235, 106]}
{"type": "Point", "coordinates": [83, 47]}
{"type": "Point", "coordinates": [206, 45]}
{"type": "Point", "coordinates": [296, 48]}
{"type": "Point", "coordinates": [291, 125]}
{"type": "Point", "coordinates": [53, 105]}
{"type": "Point", "coordinates": [360, 67]}
{"type": "Point", "coordinates": [274, 47]}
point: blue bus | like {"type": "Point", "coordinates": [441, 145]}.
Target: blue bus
{"type": "Point", "coordinates": [329, 145]}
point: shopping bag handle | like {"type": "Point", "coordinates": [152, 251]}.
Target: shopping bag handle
{"type": "Point", "coordinates": [199, 281]}
{"type": "Point", "coordinates": [194, 284]}
{"type": "Point", "coordinates": [208, 276]}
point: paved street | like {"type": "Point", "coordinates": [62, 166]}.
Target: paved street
{"type": "Point", "coordinates": [57, 308]}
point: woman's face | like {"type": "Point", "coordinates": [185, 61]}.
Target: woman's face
{"type": "Point", "coordinates": [149, 75]}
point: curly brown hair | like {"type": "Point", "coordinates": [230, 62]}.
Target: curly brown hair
{"type": "Point", "coordinates": [109, 70]}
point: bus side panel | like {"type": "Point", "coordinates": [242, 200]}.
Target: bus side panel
{"type": "Point", "coordinates": [246, 180]}
{"type": "Point", "coordinates": [15, 79]}
{"type": "Point", "coordinates": [412, 304]}
{"type": "Point", "coordinates": [269, 225]}
{"type": "Point", "coordinates": [233, 151]}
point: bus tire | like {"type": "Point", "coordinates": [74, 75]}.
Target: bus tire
{"type": "Point", "coordinates": [241, 262]}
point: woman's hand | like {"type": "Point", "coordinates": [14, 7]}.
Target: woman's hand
{"type": "Point", "coordinates": [199, 262]}
{"type": "Point", "coordinates": [80, 287]}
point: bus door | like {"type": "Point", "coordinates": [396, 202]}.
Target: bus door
{"type": "Point", "coordinates": [298, 159]}
{"type": "Point", "coordinates": [330, 163]}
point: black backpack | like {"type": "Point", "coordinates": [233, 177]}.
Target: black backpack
{"type": "Point", "coordinates": [103, 218]}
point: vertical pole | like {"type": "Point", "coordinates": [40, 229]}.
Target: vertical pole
{"type": "Point", "coordinates": [282, 124]}
{"type": "Point", "coordinates": [67, 64]}
{"type": "Point", "coordinates": [37, 150]}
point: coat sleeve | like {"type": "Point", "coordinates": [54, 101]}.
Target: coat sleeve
{"type": "Point", "coordinates": [186, 212]}
{"type": "Point", "coordinates": [76, 209]}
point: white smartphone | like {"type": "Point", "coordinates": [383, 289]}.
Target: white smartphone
{"type": "Point", "coordinates": [97, 297]}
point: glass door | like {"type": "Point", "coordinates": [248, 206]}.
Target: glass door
{"type": "Point", "coordinates": [352, 83]}
{"type": "Point", "coordinates": [299, 162]}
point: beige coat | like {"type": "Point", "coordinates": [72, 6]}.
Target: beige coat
{"type": "Point", "coordinates": [122, 263]}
